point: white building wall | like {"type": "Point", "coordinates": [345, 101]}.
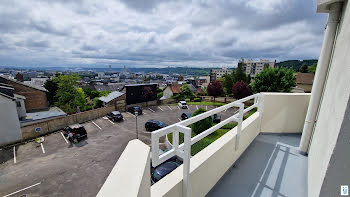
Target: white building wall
{"type": "Point", "coordinates": [167, 93]}
{"type": "Point", "coordinates": [323, 178]}
{"type": "Point", "coordinates": [10, 129]}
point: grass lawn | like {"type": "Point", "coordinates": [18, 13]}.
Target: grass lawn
{"type": "Point", "coordinates": [202, 103]}
{"type": "Point", "coordinates": [206, 103]}
{"type": "Point", "coordinates": [200, 145]}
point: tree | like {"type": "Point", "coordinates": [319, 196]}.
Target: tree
{"type": "Point", "coordinates": [68, 94]}
{"type": "Point", "coordinates": [312, 69]}
{"type": "Point", "coordinates": [51, 86]}
{"type": "Point", "coordinates": [240, 90]}
{"type": "Point", "coordinates": [274, 80]}
{"type": "Point", "coordinates": [201, 125]}
{"type": "Point", "coordinates": [303, 68]}
{"type": "Point", "coordinates": [227, 82]}
{"type": "Point", "coordinates": [147, 94]}
{"type": "Point", "coordinates": [186, 93]}
{"type": "Point", "coordinates": [240, 75]}
{"type": "Point", "coordinates": [215, 89]}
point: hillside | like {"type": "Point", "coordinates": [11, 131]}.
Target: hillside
{"type": "Point", "coordinates": [295, 64]}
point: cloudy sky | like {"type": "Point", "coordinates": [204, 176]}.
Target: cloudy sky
{"type": "Point", "coordinates": [154, 33]}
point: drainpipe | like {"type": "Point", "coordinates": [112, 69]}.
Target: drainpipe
{"type": "Point", "coordinates": [320, 76]}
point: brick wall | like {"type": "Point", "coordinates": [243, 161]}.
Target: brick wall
{"type": "Point", "coordinates": [35, 99]}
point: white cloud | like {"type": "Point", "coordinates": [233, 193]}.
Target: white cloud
{"type": "Point", "coordinates": [160, 33]}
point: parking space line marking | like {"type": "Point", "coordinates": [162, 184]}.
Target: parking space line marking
{"type": "Point", "coordinates": [206, 107]}
{"type": "Point", "coordinates": [96, 125]}
{"type": "Point", "coordinates": [178, 107]}
{"type": "Point", "coordinates": [110, 121]}
{"type": "Point", "coordinates": [144, 113]}
{"type": "Point", "coordinates": [14, 154]}
{"type": "Point", "coordinates": [170, 108]}
{"type": "Point", "coordinates": [64, 138]}
{"type": "Point", "coordinates": [42, 147]}
{"type": "Point", "coordinates": [179, 120]}
{"type": "Point", "coordinates": [160, 108]}
{"type": "Point", "coordinates": [151, 110]}
{"type": "Point", "coordinates": [22, 189]}
{"type": "Point", "coordinates": [197, 107]}
{"type": "Point", "coordinates": [130, 113]}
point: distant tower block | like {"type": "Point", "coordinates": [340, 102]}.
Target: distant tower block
{"type": "Point", "coordinates": [110, 68]}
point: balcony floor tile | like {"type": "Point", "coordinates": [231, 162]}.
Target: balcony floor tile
{"type": "Point", "coordinates": [271, 166]}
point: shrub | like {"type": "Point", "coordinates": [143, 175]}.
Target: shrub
{"type": "Point", "coordinates": [187, 100]}
{"type": "Point", "coordinates": [201, 125]}
{"type": "Point", "coordinates": [241, 90]}
{"type": "Point", "coordinates": [197, 99]}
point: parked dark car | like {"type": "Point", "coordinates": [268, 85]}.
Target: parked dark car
{"type": "Point", "coordinates": [78, 131]}
{"type": "Point", "coordinates": [115, 116]}
{"type": "Point", "coordinates": [216, 118]}
{"type": "Point", "coordinates": [186, 115]}
{"type": "Point", "coordinates": [163, 169]}
{"type": "Point", "coordinates": [153, 125]}
{"type": "Point", "coordinates": [135, 109]}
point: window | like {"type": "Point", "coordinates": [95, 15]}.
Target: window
{"type": "Point", "coordinates": [18, 103]}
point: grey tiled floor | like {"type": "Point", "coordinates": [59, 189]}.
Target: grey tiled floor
{"type": "Point", "coordinates": [271, 166]}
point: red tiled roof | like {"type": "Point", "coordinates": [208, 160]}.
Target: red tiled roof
{"type": "Point", "coordinates": [305, 78]}
{"type": "Point", "coordinates": [199, 91]}
{"type": "Point", "coordinates": [175, 88]}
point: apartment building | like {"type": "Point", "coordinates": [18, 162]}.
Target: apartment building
{"type": "Point", "coordinates": [218, 73]}
{"type": "Point", "coordinates": [252, 68]}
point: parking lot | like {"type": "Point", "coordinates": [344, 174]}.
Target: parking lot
{"type": "Point", "coordinates": [54, 168]}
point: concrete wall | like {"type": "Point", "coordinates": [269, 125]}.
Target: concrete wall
{"type": "Point", "coordinates": [326, 146]}
{"type": "Point", "coordinates": [209, 165]}
{"type": "Point", "coordinates": [167, 101]}
{"type": "Point", "coordinates": [58, 123]}
{"type": "Point", "coordinates": [131, 175]}
{"type": "Point", "coordinates": [284, 112]}
{"type": "Point", "coordinates": [144, 104]}
{"type": "Point", "coordinates": [10, 128]}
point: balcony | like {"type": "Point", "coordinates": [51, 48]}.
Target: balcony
{"type": "Point", "coordinates": [271, 166]}
{"type": "Point", "coordinates": [258, 157]}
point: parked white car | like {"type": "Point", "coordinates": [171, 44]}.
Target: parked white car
{"type": "Point", "coordinates": [183, 105]}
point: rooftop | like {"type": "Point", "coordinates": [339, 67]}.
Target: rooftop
{"type": "Point", "coordinates": [305, 78]}
{"type": "Point", "coordinates": [110, 96]}
{"type": "Point", "coordinates": [51, 112]}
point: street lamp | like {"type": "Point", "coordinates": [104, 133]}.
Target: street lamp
{"type": "Point", "coordinates": [137, 132]}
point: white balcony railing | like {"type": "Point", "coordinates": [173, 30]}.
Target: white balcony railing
{"type": "Point", "coordinates": [184, 150]}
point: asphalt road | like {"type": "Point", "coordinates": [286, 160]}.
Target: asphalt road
{"type": "Point", "coordinates": [57, 169]}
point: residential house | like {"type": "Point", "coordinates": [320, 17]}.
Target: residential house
{"type": "Point", "coordinates": [35, 96]}
{"type": "Point", "coordinates": [175, 89]}
{"type": "Point", "coordinates": [305, 81]}
{"type": "Point", "coordinates": [11, 106]}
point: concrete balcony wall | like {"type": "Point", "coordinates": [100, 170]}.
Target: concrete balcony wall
{"type": "Point", "coordinates": [131, 175]}
{"type": "Point", "coordinates": [284, 112]}
{"type": "Point", "coordinates": [209, 165]}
